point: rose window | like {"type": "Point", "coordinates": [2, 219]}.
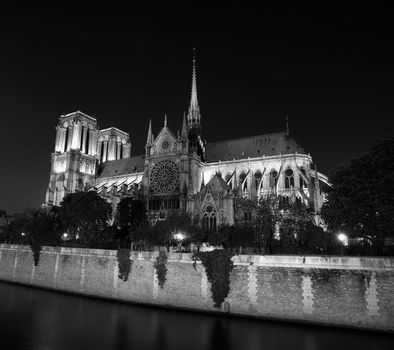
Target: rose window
{"type": "Point", "coordinates": [164, 177]}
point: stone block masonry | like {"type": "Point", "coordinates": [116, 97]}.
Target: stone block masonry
{"type": "Point", "coordinates": [341, 291]}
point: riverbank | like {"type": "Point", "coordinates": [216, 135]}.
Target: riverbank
{"type": "Point", "coordinates": [340, 291]}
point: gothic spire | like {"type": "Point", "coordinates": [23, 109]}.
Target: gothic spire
{"type": "Point", "coordinates": [193, 116]}
{"type": "Point", "coordinates": [193, 100]}
{"type": "Point", "coordinates": [149, 139]}
{"type": "Point", "coordinates": [165, 119]}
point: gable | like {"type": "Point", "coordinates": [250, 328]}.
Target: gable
{"type": "Point", "coordinates": [165, 142]}
{"type": "Point", "coordinates": [215, 186]}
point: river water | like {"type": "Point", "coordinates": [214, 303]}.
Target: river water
{"type": "Point", "coordinates": [38, 319]}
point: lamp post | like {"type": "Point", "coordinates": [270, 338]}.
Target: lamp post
{"type": "Point", "coordinates": [342, 237]}
{"type": "Point", "coordinates": [179, 237]}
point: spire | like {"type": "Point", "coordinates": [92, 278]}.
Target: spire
{"type": "Point", "coordinates": [165, 119]}
{"type": "Point", "coordinates": [193, 100]}
{"type": "Point", "coordinates": [193, 116]}
{"type": "Point", "coordinates": [149, 139]}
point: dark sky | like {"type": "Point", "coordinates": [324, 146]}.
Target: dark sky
{"type": "Point", "coordinates": [331, 70]}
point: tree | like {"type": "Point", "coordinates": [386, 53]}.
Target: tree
{"type": "Point", "coordinates": [14, 231]}
{"type": "Point", "coordinates": [242, 235]}
{"type": "Point", "coordinates": [221, 237]}
{"type": "Point", "coordinates": [33, 225]}
{"type": "Point", "coordinates": [360, 201]}
{"type": "Point", "coordinates": [266, 222]}
{"type": "Point", "coordinates": [314, 240]}
{"type": "Point", "coordinates": [162, 233]}
{"type": "Point", "coordinates": [42, 227]}
{"type": "Point", "coordinates": [294, 219]}
{"type": "Point", "coordinates": [86, 216]}
{"type": "Point", "coordinates": [129, 214]}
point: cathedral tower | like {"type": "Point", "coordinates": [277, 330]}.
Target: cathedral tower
{"type": "Point", "coordinates": [75, 158]}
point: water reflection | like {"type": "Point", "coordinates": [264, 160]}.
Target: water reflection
{"type": "Point", "coordinates": [37, 319]}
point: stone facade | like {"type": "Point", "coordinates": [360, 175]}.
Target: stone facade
{"type": "Point", "coordinates": [341, 291]}
{"type": "Point", "coordinates": [180, 172]}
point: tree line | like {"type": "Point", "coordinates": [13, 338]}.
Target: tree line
{"type": "Point", "coordinates": [85, 219]}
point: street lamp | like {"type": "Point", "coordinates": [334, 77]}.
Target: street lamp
{"type": "Point", "coordinates": [179, 237]}
{"type": "Point", "coordinates": [343, 238]}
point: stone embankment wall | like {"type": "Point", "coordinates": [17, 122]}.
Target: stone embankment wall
{"type": "Point", "coordinates": [344, 291]}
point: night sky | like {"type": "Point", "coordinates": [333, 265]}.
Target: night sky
{"type": "Point", "coordinates": [330, 70]}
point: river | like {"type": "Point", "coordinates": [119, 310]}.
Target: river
{"type": "Point", "coordinates": [39, 319]}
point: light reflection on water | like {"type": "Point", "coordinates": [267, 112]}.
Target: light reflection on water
{"type": "Point", "coordinates": [37, 319]}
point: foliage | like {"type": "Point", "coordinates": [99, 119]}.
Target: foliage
{"type": "Point", "coordinates": [313, 240]}
{"type": "Point", "coordinates": [162, 232]}
{"type": "Point", "coordinates": [129, 214]}
{"type": "Point", "coordinates": [243, 236]}
{"type": "Point", "coordinates": [294, 219]}
{"type": "Point", "coordinates": [86, 215]}
{"type": "Point", "coordinates": [36, 228]}
{"type": "Point", "coordinates": [360, 201]}
{"type": "Point", "coordinates": [267, 218]}
{"type": "Point", "coordinates": [42, 228]}
{"type": "Point", "coordinates": [124, 263]}
{"type": "Point", "coordinates": [218, 265]}
{"type": "Point", "coordinates": [12, 232]}
{"type": "Point", "coordinates": [222, 237]}
{"type": "Point", "coordinates": [143, 236]}
{"type": "Point", "coordinates": [161, 269]}
{"type": "Point", "coordinates": [36, 247]}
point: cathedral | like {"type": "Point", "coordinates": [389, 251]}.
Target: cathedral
{"type": "Point", "coordinates": [181, 172]}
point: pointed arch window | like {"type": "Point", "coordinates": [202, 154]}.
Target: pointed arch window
{"type": "Point", "coordinates": [243, 182]}
{"type": "Point", "coordinates": [208, 221]}
{"type": "Point", "coordinates": [289, 179]}
{"type": "Point", "coordinates": [258, 178]}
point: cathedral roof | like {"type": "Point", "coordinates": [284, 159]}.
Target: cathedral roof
{"type": "Point", "coordinates": [255, 146]}
{"type": "Point", "coordinates": [123, 166]}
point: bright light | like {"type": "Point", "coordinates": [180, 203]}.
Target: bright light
{"type": "Point", "coordinates": [179, 236]}
{"type": "Point", "coordinates": [342, 237]}
{"type": "Point", "coordinates": [65, 235]}
{"type": "Point", "coordinates": [23, 234]}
